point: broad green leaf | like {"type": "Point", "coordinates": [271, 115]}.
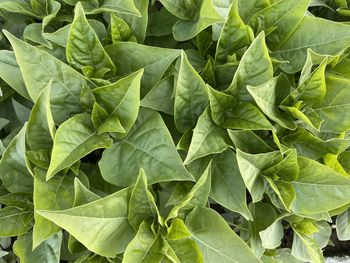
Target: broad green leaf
{"type": "Point", "coordinates": [119, 6]}
{"type": "Point", "coordinates": [234, 35]}
{"type": "Point", "coordinates": [330, 190]}
{"type": "Point", "coordinates": [322, 36]}
{"type": "Point", "coordinates": [249, 142]}
{"type": "Point", "coordinates": [282, 18]}
{"type": "Point", "coordinates": [191, 96]}
{"type": "Point", "coordinates": [84, 49]}
{"type": "Point", "coordinates": [130, 57]}
{"type": "Point", "coordinates": [120, 30]}
{"type": "Point", "coordinates": [177, 230]}
{"type": "Point", "coordinates": [161, 96]}
{"type": "Point", "coordinates": [183, 9]}
{"type": "Point", "coordinates": [227, 185]}
{"type": "Point", "coordinates": [142, 206]}
{"type": "Point", "coordinates": [183, 250]}
{"type": "Point", "coordinates": [205, 16]}
{"type": "Point", "coordinates": [98, 222]}
{"type": "Point", "coordinates": [20, 7]}
{"type": "Point", "coordinates": [197, 196]}
{"type": "Point", "coordinates": [343, 226]}
{"type": "Point", "coordinates": [281, 193]}
{"type": "Point", "coordinates": [11, 73]}
{"type": "Point", "coordinates": [287, 169]}
{"type": "Point", "coordinates": [138, 24]}
{"type": "Point", "coordinates": [15, 175]}
{"type": "Point", "coordinates": [47, 252]}
{"type": "Point", "coordinates": [149, 146]}
{"type": "Point", "coordinates": [146, 247]}
{"type": "Point", "coordinates": [15, 221]}
{"type": "Point", "coordinates": [121, 100]}
{"type": "Point", "coordinates": [207, 138]}
{"type": "Point", "coordinates": [55, 194]}
{"type": "Point", "coordinates": [249, 8]}
{"type": "Point", "coordinates": [161, 23]}
{"type": "Point", "coordinates": [271, 237]}
{"type": "Point", "coordinates": [254, 69]}
{"type": "Point", "coordinates": [251, 166]}
{"type": "Point", "coordinates": [269, 95]}
{"type": "Point", "coordinates": [41, 128]}
{"type": "Point", "coordinates": [74, 139]}
{"type": "Point", "coordinates": [216, 239]}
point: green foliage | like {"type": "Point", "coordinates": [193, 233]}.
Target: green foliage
{"type": "Point", "coordinates": [173, 131]}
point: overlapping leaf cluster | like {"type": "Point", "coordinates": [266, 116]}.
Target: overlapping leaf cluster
{"type": "Point", "coordinates": [173, 130]}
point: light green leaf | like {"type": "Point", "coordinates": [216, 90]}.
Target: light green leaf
{"type": "Point", "coordinates": [247, 141]}
{"type": "Point", "coordinates": [119, 6]}
{"type": "Point", "coordinates": [39, 68]}
{"type": "Point", "coordinates": [216, 239]}
{"type": "Point", "coordinates": [84, 48]}
{"type": "Point", "coordinates": [74, 139]}
{"type": "Point", "coordinates": [47, 252]}
{"type": "Point", "coordinates": [191, 96]}
{"type": "Point", "coordinates": [208, 138]}
{"type": "Point", "coordinates": [130, 57]}
{"type": "Point", "coordinates": [97, 223]}
{"type": "Point", "coordinates": [254, 69]}
{"type": "Point", "coordinates": [15, 221]}
{"type": "Point", "coordinates": [120, 30]}
{"type": "Point", "coordinates": [14, 173]}
{"type": "Point", "coordinates": [343, 226]}
{"type": "Point", "coordinates": [121, 100]}
{"type": "Point", "coordinates": [149, 146]}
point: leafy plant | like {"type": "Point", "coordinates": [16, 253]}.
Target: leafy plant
{"type": "Point", "coordinates": [173, 131]}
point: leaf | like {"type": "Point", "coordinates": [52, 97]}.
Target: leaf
{"type": "Point", "coordinates": [119, 6]}
{"type": "Point", "coordinates": [205, 16]}
{"type": "Point", "coordinates": [216, 239]}
{"type": "Point", "coordinates": [322, 36]}
{"type": "Point", "coordinates": [47, 252]}
{"type": "Point", "coordinates": [196, 197]}
{"type": "Point", "coordinates": [227, 185]}
{"type": "Point", "coordinates": [141, 209]}
{"type": "Point", "coordinates": [330, 189]}
{"type": "Point", "coordinates": [149, 146]}
{"type": "Point", "coordinates": [15, 221]}
{"type": "Point", "coordinates": [38, 68]}
{"type": "Point", "coordinates": [121, 100]}
{"type": "Point", "coordinates": [234, 35]}
{"type": "Point", "coordinates": [14, 173]}
{"type": "Point", "coordinates": [145, 247]}
{"type": "Point", "coordinates": [191, 96]}
{"type": "Point", "coordinates": [247, 141]}
{"type": "Point", "coordinates": [342, 226]}
{"type": "Point", "coordinates": [74, 139]}
{"type": "Point", "coordinates": [41, 128]}
{"type": "Point", "coordinates": [130, 57]}
{"type": "Point", "coordinates": [120, 30]}
{"type": "Point", "coordinates": [254, 69]}
{"type": "Point", "coordinates": [269, 95]}
{"type": "Point", "coordinates": [208, 138]}
{"type": "Point", "coordinates": [84, 49]}
{"type": "Point", "coordinates": [98, 222]}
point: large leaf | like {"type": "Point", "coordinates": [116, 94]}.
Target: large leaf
{"type": "Point", "coordinates": [216, 239]}
{"type": "Point", "coordinates": [74, 139]}
{"type": "Point", "coordinates": [98, 222]}
{"type": "Point", "coordinates": [15, 221]}
{"type": "Point", "coordinates": [149, 146]}
{"type": "Point", "coordinates": [39, 68]}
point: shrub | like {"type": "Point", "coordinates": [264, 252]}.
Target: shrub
{"type": "Point", "coordinates": [173, 130]}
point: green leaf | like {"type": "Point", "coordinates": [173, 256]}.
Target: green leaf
{"type": "Point", "coordinates": [39, 68]}
{"type": "Point", "coordinates": [196, 197]}
{"type": "Point", "coordinates": [216, 239]}
{"type": "Point", "coordinates": [41, 128]}
{"type": "Point", "coordinates": [254, 69]}
{"type": "Point", "coordinates": [191, 96]}
{"type": "Point", "coordinates": [130, 57]}
{"type": "Point", "coordinates": [142, 206]}
{"type": "Point", "coordinates": [269, 95]}
{"type": "Point", "coordinates": [234, 35]}
{"type": "Point", "coordinates": [330, 189]}
{"type": "Point", "coordinates": [208, 138]}
{"type": "Point", "coordinates": [47, 252]}
{"type": "Point", "coordinates": [74, 139]}
{"type": "Point", "coordinates": [322, 36]}
{"type": "Point", "coordinates": [121, 100]}
{"type": "Point", "coordinates": [145, 247]}
{"type": "Point", "coordinates": [205, 16]}
{"type": "Point", "coordinates": [15, 175]}
{"type": "Point", "coordinates": [149, 146]}
{"type": "Point", "coordinates": [120, 30]}
{"type": "Point", "coordinates": [247, 141]}
{"type": "Point", "coordinates": [15, 221]}
{"type": "Point", "coordinates": [183, 250]}
{"type": "Point", "coordinates": [84, 48]}
{"type": "Point", "coordinates": [109, 6]}
{"type": "Point", "coordinates": [343, 226]}
{"type": "Point", "coordinates": [98, 222]}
